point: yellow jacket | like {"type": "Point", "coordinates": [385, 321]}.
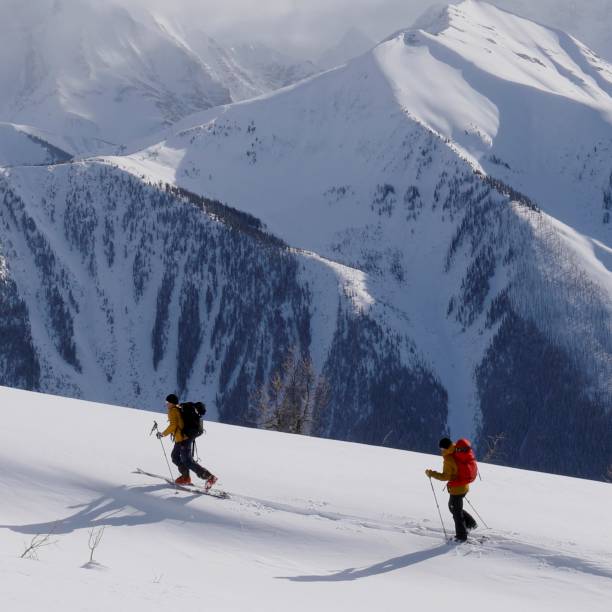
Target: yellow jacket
{"type": "Point", "coordinates": [449, 472]}
{"type": "Point", "coordinates": [175, 427]}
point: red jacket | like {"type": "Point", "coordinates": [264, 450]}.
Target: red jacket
{"type": "Point", "coordinates": [450, 472]}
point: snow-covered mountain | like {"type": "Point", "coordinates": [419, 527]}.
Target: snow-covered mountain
{"type": "Point", "coordinates": [208, 302]}
{"type": "Point", "coordinates": [588, 20]}
{"type": "Point", "coordinates": [102, 74]}
{"type": "Point", "coordinates": [430, 222]}
{"type": "Point", "coordinates": [409, 164]}
{"type": "Point", "coordinates": [311, 524]}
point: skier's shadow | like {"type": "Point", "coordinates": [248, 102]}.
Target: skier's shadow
{"type": "Point", "coordinates": [384, 567]}
{"type": "Point", "coordinates": [120, 507]}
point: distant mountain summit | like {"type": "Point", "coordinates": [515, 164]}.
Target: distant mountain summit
{"type": "Point", "coordinates": [100, 76]}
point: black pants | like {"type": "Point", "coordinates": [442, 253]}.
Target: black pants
{"type": "Point", "coordinates": [182, 457]}
{"type": "Point", "coordinates": [463, 519]}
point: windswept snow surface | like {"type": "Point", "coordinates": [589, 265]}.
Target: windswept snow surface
{"type": "Point", "coordinates": [339, 527]}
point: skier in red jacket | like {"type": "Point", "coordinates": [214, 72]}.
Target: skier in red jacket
{"type": "Point", "coordinates": [459, 469]}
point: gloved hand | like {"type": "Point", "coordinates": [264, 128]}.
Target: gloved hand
{"type": "Point", "coordinates": [159, 435]}
{"type": "Point", "coordinates": [428, 473]}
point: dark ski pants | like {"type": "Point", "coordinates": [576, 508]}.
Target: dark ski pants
{"type": "Point", "coordinates": [182, 457]}
{"type": "Point", "coordinates": [463, 519]}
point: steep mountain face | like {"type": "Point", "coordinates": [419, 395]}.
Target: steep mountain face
{"type": "Point", "coordinates": [207, 303]}
{"type": "Point", "coordinates": [446, 201]}
{"type": "Point", "coordinates": [101, 75]}
{"type": "Point", "coordinates": [464, 168]}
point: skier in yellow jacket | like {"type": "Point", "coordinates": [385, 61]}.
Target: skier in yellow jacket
{"type": "Point", "coordinates": [182, 453]}
{"type": "Point", "coordinates": [175, 420]}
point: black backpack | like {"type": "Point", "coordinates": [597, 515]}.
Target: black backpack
{"type": "Point", "coordinates": [193, 412]}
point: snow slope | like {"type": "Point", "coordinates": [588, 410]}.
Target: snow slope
{"type": "Point", "coordinates": [339, 527]}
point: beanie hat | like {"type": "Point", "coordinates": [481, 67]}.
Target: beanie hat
{"type": "Point", "coordinates": [445, 443]}
{"type": "Point", "coordinates": [172, 399]}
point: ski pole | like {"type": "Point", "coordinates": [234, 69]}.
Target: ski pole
{"type": "Point", "coordinates": [156, 428]}
{"type": "Point", "coordinates": [478, 515]}
{"type": "Point", "coordinates": [438, 506]}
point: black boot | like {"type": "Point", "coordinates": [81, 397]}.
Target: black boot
{"type": "Point", "coordinates": [470, 523]}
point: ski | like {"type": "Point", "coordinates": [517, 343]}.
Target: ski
{"type": "Point", "coordinates": [471, 539]}
{"type": "Point", "coordinates": [218, 493]}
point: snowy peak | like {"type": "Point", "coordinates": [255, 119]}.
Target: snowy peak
{"type": "Point", "coordinates": [434, 20]}
{"type": "Point", "coordinates": [505, 92]}
{"type": "Point", "coordinates": [517, 49]}
{"type": "Point", "coordinates": [104, 74]}
{"type": "Point", "coordinates": [97, 76]}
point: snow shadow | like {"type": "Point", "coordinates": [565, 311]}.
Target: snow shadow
{"type": "Point", "coordinates": [139, 505]}
{"type": "Point", "coordinates": [384, 567]}
{"type": "Point", "coordinates": [127, 507]}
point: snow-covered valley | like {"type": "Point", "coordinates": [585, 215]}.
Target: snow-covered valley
{"type": "Point", "coordinates": [339, 526]}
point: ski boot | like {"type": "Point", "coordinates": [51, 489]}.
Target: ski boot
{"type": "Point", "coordinates": [210, 482]}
